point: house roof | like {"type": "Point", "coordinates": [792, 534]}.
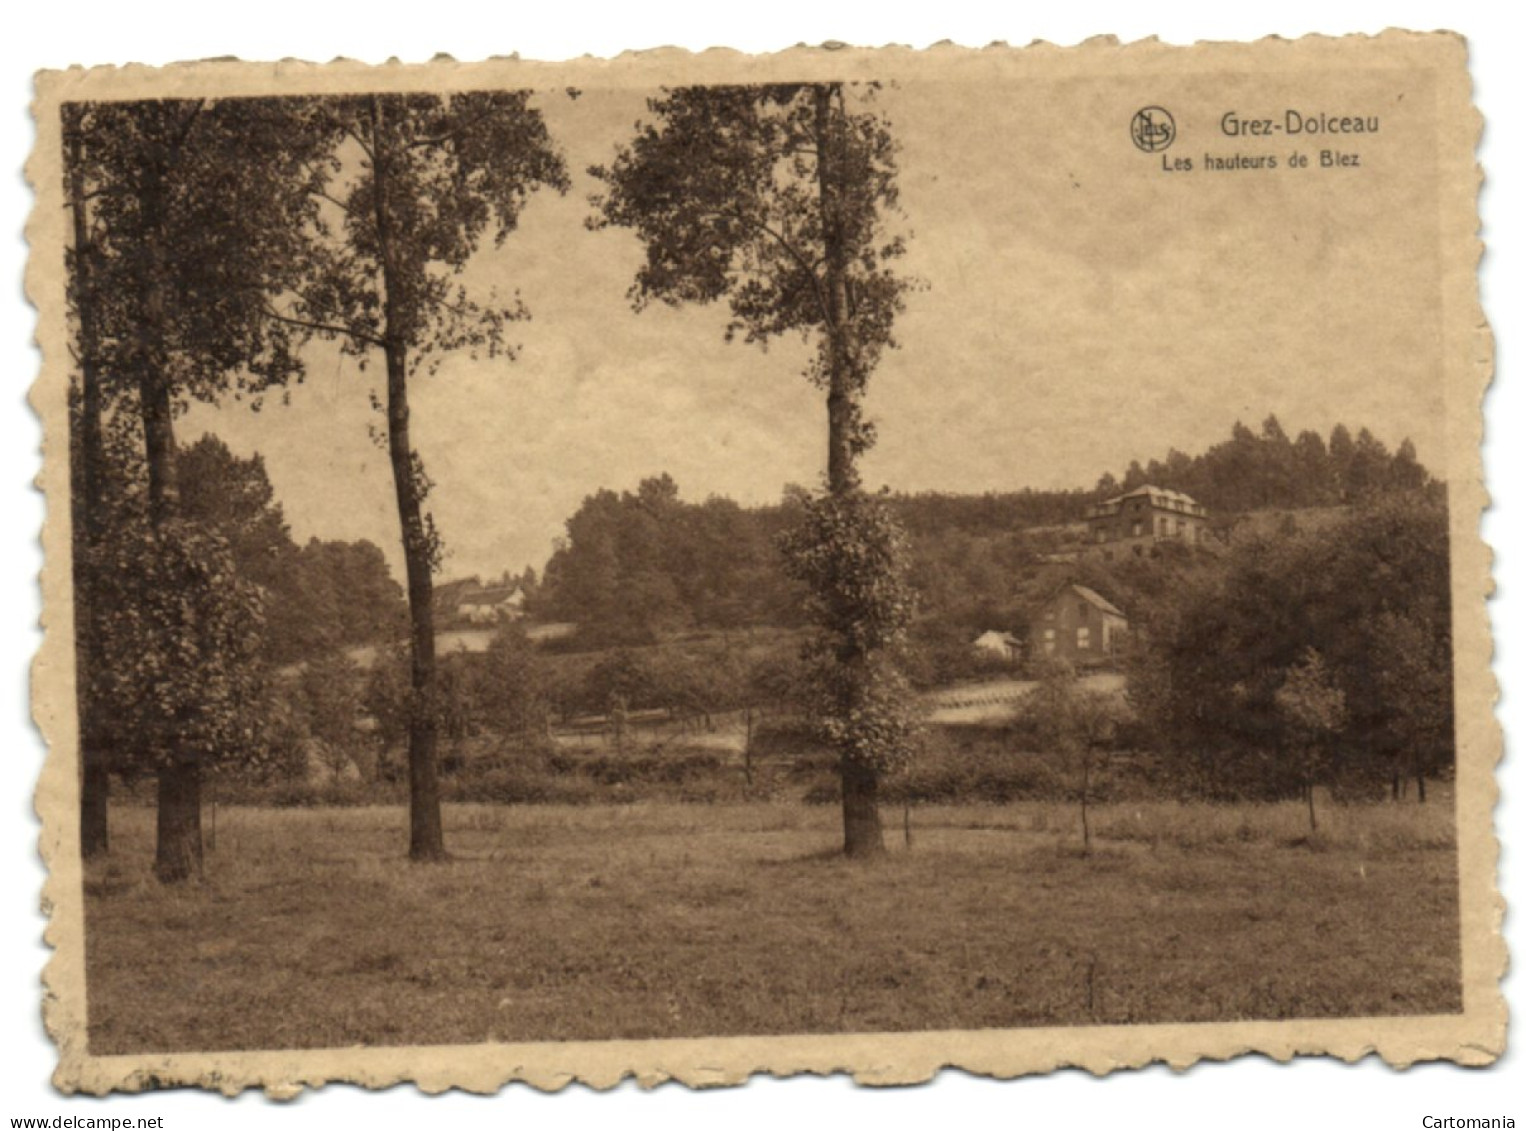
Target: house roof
{"type": "Point", "coordinates": [994, 636]}
{"type": "Point", "coordinates": [1152, 492]}
{"type": "Point", "coordinates": [496, 595]}
{"type": "Point", "coordinates": [447, 592]}
{"type": "Point", "coordinates": [1092, 597]}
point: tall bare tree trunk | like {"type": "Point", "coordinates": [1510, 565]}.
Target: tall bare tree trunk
{"type": "Point", "coordinates": [862, 831]}
{"type": "Point", "coordinates": [426, 834]}
{"type": "Point", "coordinates": [85, 487]}
{"type": "Point", "coordinates": [842, 475]}
{"type": "Point", "coordinates": [178, 850]}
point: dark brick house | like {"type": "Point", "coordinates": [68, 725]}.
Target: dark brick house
{"type": "Point", "coordinates": [1078, 625]}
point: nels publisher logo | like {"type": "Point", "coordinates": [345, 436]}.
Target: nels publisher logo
{"type": "Point", "coordinates": [1153, 129]}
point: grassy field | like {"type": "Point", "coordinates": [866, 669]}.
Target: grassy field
{"type": "Point", "coordinates": [688, 920]}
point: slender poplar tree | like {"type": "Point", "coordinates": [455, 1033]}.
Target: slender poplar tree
{"type": "Point", "coordinates": [778, 199]}
{"type": "Point", "coordinates": [412, 184]}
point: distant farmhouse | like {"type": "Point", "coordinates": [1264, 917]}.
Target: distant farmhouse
{"type": "Point", "coordinates": [1078, 625]}
{"type": "Point", "coordinates": [470, 602]}
{"type": "Point", "coordinates": [1138, 520]}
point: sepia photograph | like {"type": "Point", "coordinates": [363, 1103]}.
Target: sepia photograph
{"type": "Point", "coordinates": [689, 565]}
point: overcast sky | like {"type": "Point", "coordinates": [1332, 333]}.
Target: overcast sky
{"type": "Point", "coordinates": [1083, 308]}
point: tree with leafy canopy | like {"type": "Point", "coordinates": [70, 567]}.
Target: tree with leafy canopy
{"type": "Point", "coordinates": [1313, 709]}
{"type": "Point", "coordinates": [1075, 722]}
{"type": "Point", "coordinates": [1411, 673]}
{"type": "Point", "coordinates": [327, 693]}
{"type": "Point", "coordinates": [1371, 593]}
{"type": "Point", "coordinates": [511, 690]}
{"type": "Point", "coordinates": [778, 199]}
{"type": "Point", "coordinates": [232, 495]}
{"type": "Point", "coordinates": [851, 554]}
{"type": "Point", "coordinates": [185, 684]}
{"type": "Point", "coordinates": [319, 598]}
{"type": "Point", "coordinates": [186, 215]}
{"type": "Point", "coordinates": [412, 184]}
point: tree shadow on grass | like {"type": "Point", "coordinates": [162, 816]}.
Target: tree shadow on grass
{"type": "Point", "coordinates": [831, 856]}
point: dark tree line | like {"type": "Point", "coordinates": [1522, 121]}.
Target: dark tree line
{"type": "Point", "coordinates": [635, 565]}
{"type": "Point", "coordinates": [940, 513]}
{"type": "Point", "coordinates": [1268, 469]}
{"type": "Point", "coordinates": [320, 597]}
{"type": "Point", "coordinates": [1248, 471]}
{"type": "Point", "coordinates": [1320, 657]}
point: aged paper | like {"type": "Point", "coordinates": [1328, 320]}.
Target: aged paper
{"type": "Point", "coordinates": [1102, 288]}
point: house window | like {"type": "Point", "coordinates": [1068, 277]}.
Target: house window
{"type": "Point", "coordinates": [1083, 638]}
{"type": "Point", "coordinates": [1138, 528]}
{"type": "Point", "coordinates": [1049, 640]}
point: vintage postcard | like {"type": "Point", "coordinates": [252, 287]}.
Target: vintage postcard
{"type": "Point", "coordinates": [687, 566]}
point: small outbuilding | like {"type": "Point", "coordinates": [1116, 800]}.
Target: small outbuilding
{"type": "Point", "coordinates": [999, 645]}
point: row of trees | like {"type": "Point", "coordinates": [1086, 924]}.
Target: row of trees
{"type": "Point", "coordinates": [1317, 658]}
{"type": "Point", "coordinates": [636, 564]}
{"type": "Point", "coordinates": [1254, 471]}
{"type": "Point", "coordinates": [214, 238]}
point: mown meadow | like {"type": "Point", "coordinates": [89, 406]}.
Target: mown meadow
{"type": "Point", "coordinates": [662, 919]}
